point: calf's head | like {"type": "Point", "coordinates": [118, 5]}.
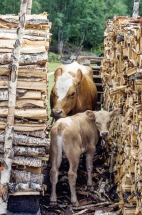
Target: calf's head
{"type": "Point", "coordinates": [103, 119]}
{"type": "Point", "coordinates": [64, 92]}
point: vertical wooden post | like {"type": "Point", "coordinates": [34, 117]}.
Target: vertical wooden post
{"type": "Point", "coordinates": [136, 9]}
{"type": "Point", "coordinates": [29, 7]}
{"type": "Point", "coordinates": [8, 151]}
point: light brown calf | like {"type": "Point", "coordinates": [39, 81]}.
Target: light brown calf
{"type": "Point", "coordinates": [73, 136]}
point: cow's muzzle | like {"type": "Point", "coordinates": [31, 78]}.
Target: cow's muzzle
{"type": "Point", "coordinates": [57, 113]}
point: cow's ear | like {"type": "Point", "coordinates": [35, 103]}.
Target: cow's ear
{"type": "Point", "coordinates": [58, 72]}
{"type": "Point", "coordinates": [79, 75]}
{"type": "Point", "coordinates": [90, 114]}
{"type": "Point", "coordinates": [115, 112]}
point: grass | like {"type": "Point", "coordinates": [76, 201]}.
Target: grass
{"type": "Point", "coordinates": [52, 66]}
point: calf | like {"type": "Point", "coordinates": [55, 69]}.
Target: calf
{"type": "Point", "coordinates": [73, 136]}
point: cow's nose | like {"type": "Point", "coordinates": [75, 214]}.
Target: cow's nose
{"type": "Point", "coordinates": [56, 112]}
{"type": "Point", "coordinates": [104, 134]}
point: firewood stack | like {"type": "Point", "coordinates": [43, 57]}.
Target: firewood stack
{"type": "Point", "coordinates": [121, 73]}
{"type": "Point", "coordinates": [30, 144]}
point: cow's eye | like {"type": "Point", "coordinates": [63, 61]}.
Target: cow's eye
{"type": "Point", "coordinates": [53, 93]}
{"type": "Point", "coordinates": [72, 94]}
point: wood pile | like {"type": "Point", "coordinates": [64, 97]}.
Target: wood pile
{"type": "Point", "coordinates": [121, 73]}
{"type": "Point", "coordinates": [30, 142]}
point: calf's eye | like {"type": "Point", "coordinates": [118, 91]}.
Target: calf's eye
{"type": "Point", "coordinates": [97, 123]}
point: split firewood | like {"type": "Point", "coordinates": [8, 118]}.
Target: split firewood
{"type": "Point", "coordinates": [27, 161]}
{"type": "Point", "coordinates": [122, 84]}
{"type": "Point", "coordinates": [27, 140]}
{"type": "Point", "coordinates": [18, 176]}
{"type": "Point", "coordinates": [24, 187]}
{"type": "Point", "coordinates": [32, 21]}
{"type": "Point", "coordinates": [29, 151]}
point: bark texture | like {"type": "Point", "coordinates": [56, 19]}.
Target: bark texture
{"type": "Point", "coordinates": [136, 9]}
{"type": "Point", "coordinates": [29, 7]}
{"type": "Point", "coordinates": [5, 175]}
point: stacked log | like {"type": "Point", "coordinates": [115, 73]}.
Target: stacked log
{"type": "Point", "coordinates": [30, 143]}
{"type": "Point", "coordinates": [122, 83]}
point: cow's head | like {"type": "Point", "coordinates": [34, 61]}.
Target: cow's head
{"type": "Point", "coordinates": [103, 119]}
{"type": "Point", "coordinates": [64, 92]}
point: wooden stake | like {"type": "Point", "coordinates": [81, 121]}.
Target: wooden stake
{"type": "Point", "coordinates": [136, 9]}
{"type": "Point", "coordinates": [5, 174]}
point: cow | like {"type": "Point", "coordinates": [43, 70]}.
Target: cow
{"type": "Point", "coordinates": [74, 91]}
{"type": "Point", "coordinates": [73, 136]}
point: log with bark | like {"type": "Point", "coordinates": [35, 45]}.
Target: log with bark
{"type": "Point", "coordinates": [19, 139]}
{"type": "Point", "coordinates": [27, 161]}
{"type": "Point", "coordinates": [29, 151]}
{"type": "Point", "coordinates": [27, 58]}
{"type": "Point", "coordinates": [26, 187]}
{"type": "Point", "coordinates": [32, 21]}
{"type": "Point", "coordinates": [24, 177]}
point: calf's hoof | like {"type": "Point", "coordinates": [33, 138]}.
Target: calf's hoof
{"type": "Point", "coordinates": [75, 204]}
{"type": "Point", "coordinates": [90, 188]}
{"type": "Point", "coordinates": [53, 203]}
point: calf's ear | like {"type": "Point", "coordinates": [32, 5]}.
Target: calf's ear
{"type": "Point", "coordinates": [115, 112]}
{"type": "Point", "coordinates": [90, 114]}
{"type": "Point", "coordinates": [58, 72]}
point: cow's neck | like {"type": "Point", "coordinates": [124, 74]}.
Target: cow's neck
{"type": "Point", "coordinates": [82, 98]}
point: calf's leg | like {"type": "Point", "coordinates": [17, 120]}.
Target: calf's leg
{"type": "Point", "coordinates": [53, 179]}
{"type": "Point", "coordinates": [55, 159]}
{"type": "Point", "coordinates": [72, 175]}
{"type": "Point", "coordinates": [89, 166]}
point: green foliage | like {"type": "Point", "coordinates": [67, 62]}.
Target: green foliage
{"type": "Point", "coordinates": [77, 22]}
{"type": "Point", "coordinates": [52, 57]}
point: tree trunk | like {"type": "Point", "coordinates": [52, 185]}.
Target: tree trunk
{"type": "Point", "coordinates": [60, 41]}
{"type": "Point", "coordinates": [136, 8]}
{"type": "Point", "coordinates": [5, 174]}
{"type": "Point", "coordinates": [29, 7]}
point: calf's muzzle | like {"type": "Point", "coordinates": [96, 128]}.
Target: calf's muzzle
{"type": "Point", "coordinates": [104, 134]}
